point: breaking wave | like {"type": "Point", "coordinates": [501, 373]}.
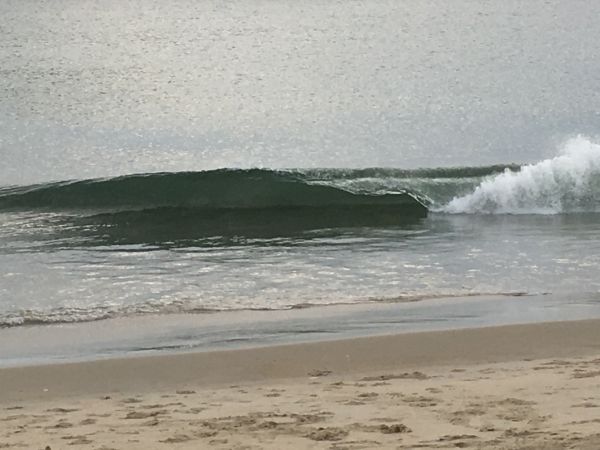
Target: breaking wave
{"type": "Point", "coordinates": [186, 206]}
{"type": "Point", "coordinates": [568, 183]}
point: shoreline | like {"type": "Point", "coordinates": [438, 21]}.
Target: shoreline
{"type": "Point", "coordinates": [183, 333]}
{"type": "Point", "coordinates": [351, 356]}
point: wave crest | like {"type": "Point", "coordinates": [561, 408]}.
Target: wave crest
{"type": "Point", "coordinates": [567, 183]}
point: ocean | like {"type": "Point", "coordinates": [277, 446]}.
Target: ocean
{"type": "Point", "coordinates": [186, 175]}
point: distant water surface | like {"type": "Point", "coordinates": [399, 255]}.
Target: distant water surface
{"type": "Point", "coordinates": [90, 89]}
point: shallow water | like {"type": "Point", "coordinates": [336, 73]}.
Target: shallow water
{"type": "Point", "coordinates": [440, 255]}
{"type": "Point", "coordinates": [154, 334]}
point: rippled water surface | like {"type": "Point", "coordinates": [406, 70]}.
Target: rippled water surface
{"type": "Point", "coordinates": [440, 255]}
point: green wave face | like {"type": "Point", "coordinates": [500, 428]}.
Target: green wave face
{"type": "Point", "coordinates": [220, 189]}
{"type": "Point", "coordinates": [255, 188]}
{"type": "Point", "coordinates": [183, 207]}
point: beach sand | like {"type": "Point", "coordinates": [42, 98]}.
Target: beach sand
{"type": "Point", "coordinates": [517, 386]}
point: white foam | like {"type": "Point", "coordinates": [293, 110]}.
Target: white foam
{"type": "Point", "coordinates": [566, 183]}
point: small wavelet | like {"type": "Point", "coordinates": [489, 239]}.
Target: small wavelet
{"type": "Point", "coordinates": [96, 312]}
{"type": "Point", "coordinates": [569, 182]}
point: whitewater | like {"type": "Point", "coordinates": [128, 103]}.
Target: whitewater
{"type": "Point", "coordinates": [566, 183]}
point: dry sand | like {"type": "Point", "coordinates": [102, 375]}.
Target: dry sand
{"type": "Point", "coordinates": [520, 386]}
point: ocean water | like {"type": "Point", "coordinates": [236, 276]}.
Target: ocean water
{"type": "Point", "coordinates": [176, 158]}
{"type": "Point", "coordinates": [262, 239]}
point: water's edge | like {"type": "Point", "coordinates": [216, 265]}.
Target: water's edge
{"type": "Point", "coordinates": [138, 336]}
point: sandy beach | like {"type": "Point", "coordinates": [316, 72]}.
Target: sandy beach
{"type": "Point", "coordinates": [517, 386]}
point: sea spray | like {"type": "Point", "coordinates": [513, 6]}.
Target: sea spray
{"type": "Point", "coordinates": [566, 183]}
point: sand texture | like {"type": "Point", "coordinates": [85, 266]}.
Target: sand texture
{"type": "Point", "coordinates": [483, 402]}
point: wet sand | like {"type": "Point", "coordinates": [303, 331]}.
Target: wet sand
{"type": "Point", "coordinates": [517, 386]}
